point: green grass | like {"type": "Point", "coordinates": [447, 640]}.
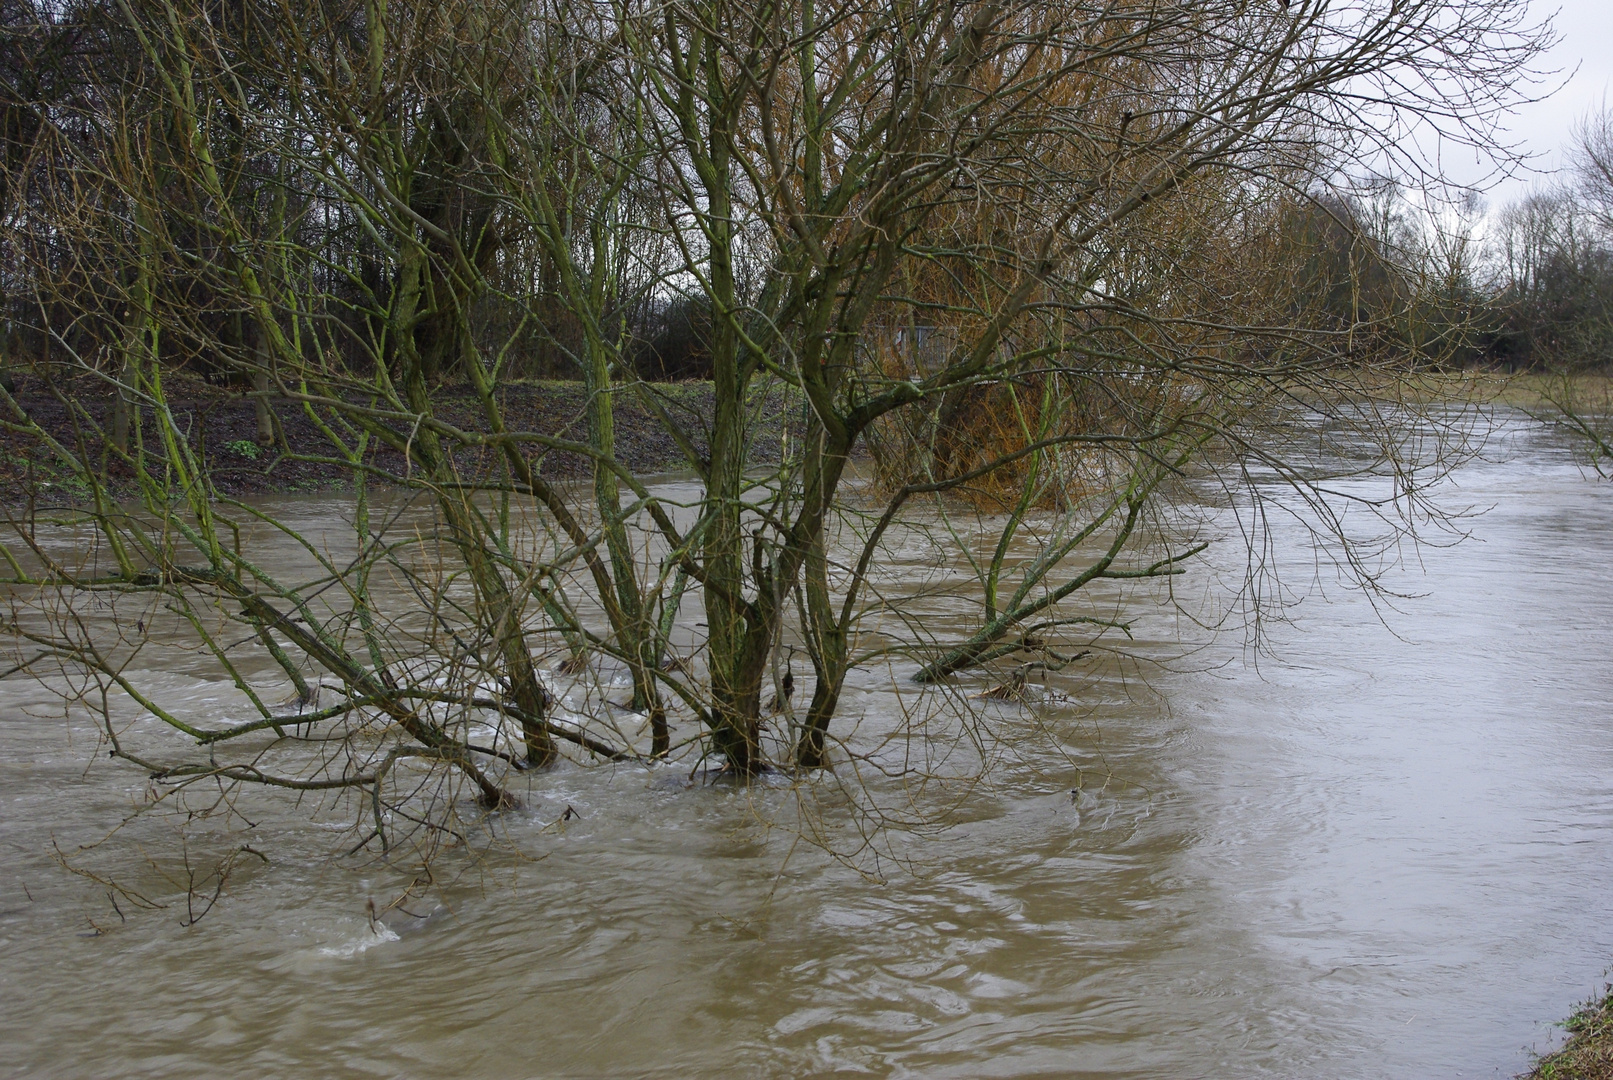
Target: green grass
{"type": "Point", "coordinates": [1588, 1054]}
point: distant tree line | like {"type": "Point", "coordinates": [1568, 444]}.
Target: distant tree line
{"type": "Point", "coordinates": [1527, 287]}
{"type": "Point", "coordinates": [82, 108]}
{"type": "Point", "coordinates": [1549, 301]}
{"type": "Point", "coordinates": [99, 199]}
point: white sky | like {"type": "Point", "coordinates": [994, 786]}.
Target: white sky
{"type": "Point", "coordinates": [1585, 28]}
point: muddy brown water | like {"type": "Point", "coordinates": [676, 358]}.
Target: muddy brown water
{"type": "Point", "coordinates": [1384, 850]}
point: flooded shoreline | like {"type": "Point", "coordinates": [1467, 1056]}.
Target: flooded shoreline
{"type": "Point", "coordinates": [1381, 851]}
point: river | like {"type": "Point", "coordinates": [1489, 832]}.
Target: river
{"type": "Point", "coordinates": [1384, 848]}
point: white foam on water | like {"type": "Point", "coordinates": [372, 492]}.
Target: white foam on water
{"type": "Point", "coordinates": [369, 937]}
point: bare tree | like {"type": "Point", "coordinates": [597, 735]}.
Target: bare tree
{"type": "Point", "coordinates": [1023, 252]}
{"type": "Point", "coordinates": [1553, 288]}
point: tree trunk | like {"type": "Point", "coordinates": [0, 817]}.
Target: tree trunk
{"type": "Point", "coordinates": [828, 652]}
{"type": "Point", "coordinates": [260, 385]}
{"type": "Point", "coordinates": [634, 636]}
{"type": "Point", "coordinates": [140, 333]}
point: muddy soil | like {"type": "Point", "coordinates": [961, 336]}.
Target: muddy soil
{"type": "Point", "coordinates": [222, 423]}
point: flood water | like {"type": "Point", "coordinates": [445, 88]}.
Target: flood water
{"type": "Point", "coordinates": [1383, 850]}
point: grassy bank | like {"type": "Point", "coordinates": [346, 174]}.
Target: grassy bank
{"type": "Point", "coordinates": [1524, 390]}
{"type": "Point", "coordinates": [1588, 1054]}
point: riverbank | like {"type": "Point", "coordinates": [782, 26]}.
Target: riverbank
{"type": "Point", "coordinates": [1588, 1054]}
{"type": "Point", "coordinates": [222, 425]}
{"type": "Point", "coordinates": [1530, 391]}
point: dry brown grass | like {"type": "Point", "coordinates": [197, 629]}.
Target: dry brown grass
{"type": "Point", "coordinates": [1525, 390]}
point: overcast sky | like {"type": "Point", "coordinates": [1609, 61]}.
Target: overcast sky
{"type": "Point", "coordinates": [1586, 31]}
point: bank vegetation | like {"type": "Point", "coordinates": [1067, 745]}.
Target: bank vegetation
{"type": "Point", "coordinates": [1588, 1053]}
